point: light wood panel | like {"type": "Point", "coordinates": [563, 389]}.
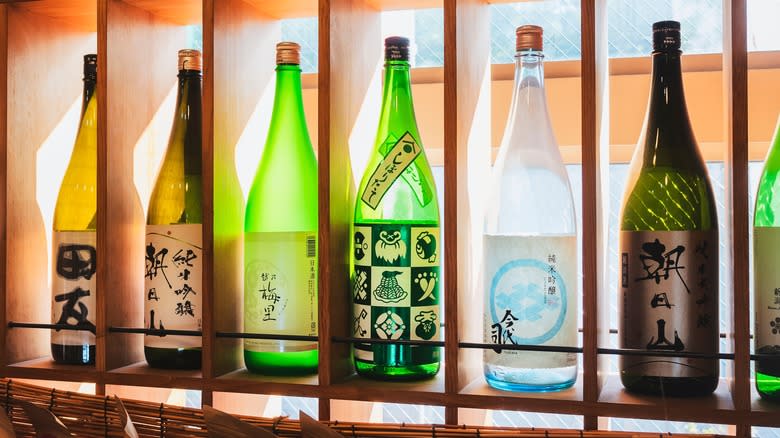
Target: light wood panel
{"type": "Point", "coordinates": [178, 12]}
{"type": "Point", "coordinates": [3, 174]}
{"type": "Point", "coordinates": [136, 71]}
{"type": "Point", "coordinates": [736, 168]}
{"type": "Point", "coordinates": [347, 66]}
{"type": "Point", "coordinates": [36, 105]}
{"type": "Point", "coordinates": [466, 170]}
{"type": "Point", "coordinates": [595, 196]}
{"type": "Point", "coordinates": [243, 53]}
{"type": "Point", "coordinates": [80, 13]}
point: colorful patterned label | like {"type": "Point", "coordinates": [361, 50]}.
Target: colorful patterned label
{"type": "Point", "coordinates": [173, 283]}
{"type": "Point", "coordinates": [531, 299]}
{"type": "Point", "coordinates": [669, 296]}
{"type": "Point", "coordinates": [280, 289]}
{"type": "Point", "coordinates": [396, 289]}
{"type": "Point", "coordinates": [74, 286]}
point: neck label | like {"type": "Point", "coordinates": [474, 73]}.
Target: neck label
{"type": "Point", "coordinates": [397, 160]}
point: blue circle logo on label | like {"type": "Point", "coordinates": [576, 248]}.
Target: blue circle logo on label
{"type": "Point", "coordinates": [522, 305]}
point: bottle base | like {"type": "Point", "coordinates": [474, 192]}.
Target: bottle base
{"type": "Point", "coordinates": [530, 379]}
{"type": "Point", "coordinates": [396, 373]}
{"type": "Point", "coordinates": [288, 363]}
{"type": "Point", "coordinates": [73, 354]}
{"type": "Point", "coordinates": [768, 386]}
{"type": "Point", "coordinates": [669, 386]}
{"type": "Point", "coordinates": [173, 358]}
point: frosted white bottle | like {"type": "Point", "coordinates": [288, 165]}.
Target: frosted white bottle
{"type": "Point", "coordinates": [530, 237]}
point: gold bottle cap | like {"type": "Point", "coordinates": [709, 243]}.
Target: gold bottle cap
{"type": "Point", "coordinates": [529, 37]}
{"type": "Point", "coordinates": [190, 59]}
{"type": "Point", "coordinates": [288, 53]}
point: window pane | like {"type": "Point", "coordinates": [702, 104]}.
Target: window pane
{"type": "Point", "coordinates": [630, 25]}
{"type": "Point", "coordinates": [763, 32]}
{"type": "Point", "coordinates": [560, 20]}
{"type": "Point", "coordinates": [634, 425]}
{"type": "Point", "coordinates": [304, 32]}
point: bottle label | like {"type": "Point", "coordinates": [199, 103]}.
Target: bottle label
{"type": "Point", "coordinates": [73, 284]}
{"type": "Point", "coordinates": [766, 240]}
{"type": "Point", "coordinates": [173, 283]}
{"type": "Point", "coordinates": [530, 299]}
{"type": "Point", "coordinates": [397, 160]}
{"type": "Point", "coordinates": [396, 284]}
{"type": "Point", "coordinates": [280, 289]}
{"type": "Point", "coordinates": [669, 291]}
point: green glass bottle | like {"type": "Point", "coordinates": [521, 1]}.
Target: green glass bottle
{"type": "Point", "coordinates": [668, 288]}
{"type": "Point", "coordinates": [74, 238]}
{"type": "Point", "coordinates": [396, 291]}
{"type": "Point", "coordinates": [280, 240]}
{"type": "Point", "coordinates": [174, 240]}
{"type": "Point", "coordinates": [766, 276]}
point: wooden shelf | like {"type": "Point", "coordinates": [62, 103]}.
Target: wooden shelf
{"type": "Point", "coordinates": [44, 368]}
{"type": "Point", "coordinates": [141, 374]}
{"type": "Point", "coordinates": [136, 41]}
{"type": "Point", "coordinates": [710, 409]}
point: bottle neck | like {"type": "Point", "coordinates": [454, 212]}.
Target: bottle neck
{"type": "Point", "coordinates": [397, 105]}
{"type": "Point", "coordinates": [288, 99]}
{"type": "Point", "coordinates": [669, 139]}
{"type": "Point", "coordinates": [188, 119]}
{"type": "Point", "coordinates": [529, 69]}
{"type": "Point", "coordinates": [89, 91]}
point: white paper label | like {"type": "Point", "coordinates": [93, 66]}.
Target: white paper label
{"type": "Point", "coordinates": [280, 289]}
{"type": "Point", "coordinates": [530, 298]}
{"type": "Point", "coordinates": [173, 282]}
{"type": "Point", "coordinates": [73, 285]}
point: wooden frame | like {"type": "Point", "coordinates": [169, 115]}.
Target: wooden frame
{"type": "Point", "coordinates": [135, 40]}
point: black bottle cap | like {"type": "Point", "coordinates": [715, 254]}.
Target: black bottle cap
{"type": "Point", "coordinates": [666, 36]}
{"type": "Point", "coordinates": [396, 48]}
{"type": "Point", "coordinates": [90, 66]}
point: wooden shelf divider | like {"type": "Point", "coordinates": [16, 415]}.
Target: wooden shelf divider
{"type": "Point", "coordinates": [41, 44]}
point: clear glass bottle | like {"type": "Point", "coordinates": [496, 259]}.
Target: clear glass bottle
{"type": "Point", "coordinates": [280, 240]}
{"type": "Point", "coordinates": [74, 239]}
{"type": "Point", "coordinates": [396, 290]}
{"type": "Point", "coordinates": [668, 288]}
{"type": "Point", "coordinates": [174, 233]}
{"type": "Point", "coordinates": [530, 238]}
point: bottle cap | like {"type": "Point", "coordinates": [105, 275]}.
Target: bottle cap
{"type": "Point", "coordinates": [190, 59]}
{"type": "Point", "coordinates": [396, 48]}
{"type": "Point", "coordinates": [666, 36]}
{"type": "Point", "coordinates": [529, 37]}
{"type": "Point", "coordinates": [90, 66]}
{"type": "Point", "coordinates": [288, 53]}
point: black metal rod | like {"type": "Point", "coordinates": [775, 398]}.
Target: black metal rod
{"type": "Point", "coordinates": [521, 347]}
{"type": "Point", "coordinates": [657, 353]}
{"type": "Point", "coordinates": [266, 336]}
{"type": "Point", "coordinates": [34, 325]}
{"type": "Point", "coordinates": [349, 340]}
{"type": "Point", "coordinates": [615, 331]}
{"type": "Point", "coordinates": [154, 332]}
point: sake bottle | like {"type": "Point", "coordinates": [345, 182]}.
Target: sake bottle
{"type": "Point", "coordinates": [668, 283]}
{"type": "Point", "coordinates": [74, 239]}
{"type": "Point", "coordinates": [280, 235]}
{"type": "Point", "coordinates": [396, 282]}
{"type": "Point", "coordinates": [173, 293]}
{"type": "Point", "coordinates": [530, 242]}
{"type": "Point", "coordinates": [766, 276]}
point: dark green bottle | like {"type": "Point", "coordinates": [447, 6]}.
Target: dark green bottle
{"type": "Point", "coordinates": [396, 282]}
{"type": "Point", "coordinates": [668, 289]}
{"type": "Point", "coordinates": [174, 240]}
